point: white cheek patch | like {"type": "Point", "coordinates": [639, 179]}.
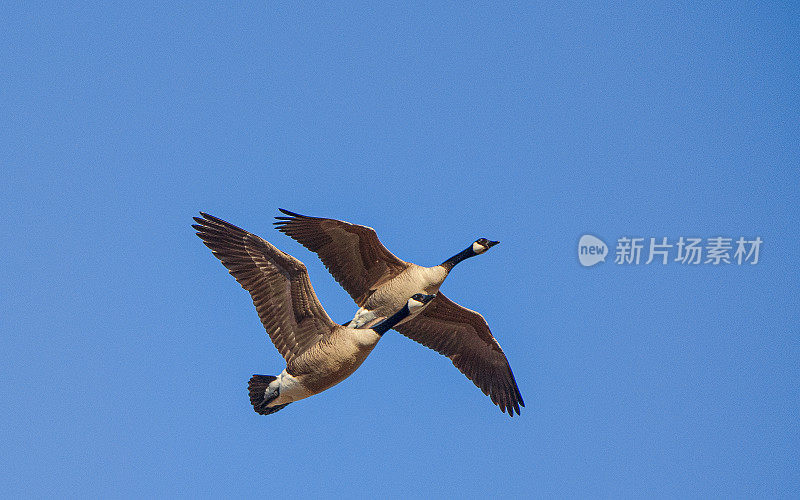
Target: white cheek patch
{"type": "Point", "coordinates": [414, 304]}
{"type": "Point", "coordinates": [477, 248]}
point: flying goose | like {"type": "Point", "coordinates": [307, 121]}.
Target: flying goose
{"type": "Point", "coordinates": [319, 353]}
{"type": "Point", "coordinates": [380, 283]}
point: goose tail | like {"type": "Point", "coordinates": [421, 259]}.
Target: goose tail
{"type": "Point", "coordinates": [261, 394]}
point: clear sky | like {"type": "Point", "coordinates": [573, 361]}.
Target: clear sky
{"type": "Point", "coordinates": [128, 347]}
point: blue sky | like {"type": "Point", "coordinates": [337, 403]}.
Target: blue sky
{"type": "Point", "coordinates": [128, 347]}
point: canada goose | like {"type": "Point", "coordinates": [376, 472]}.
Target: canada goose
{"type": "Point", "coordinates": [380, 283]}
{"type": "Point", "coordinates": [319, 353]}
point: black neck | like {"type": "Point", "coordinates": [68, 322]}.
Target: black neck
{"type": "Point", "coordinates": [455, 259]}
{"type": "Point", "coordinates": [387, 324]}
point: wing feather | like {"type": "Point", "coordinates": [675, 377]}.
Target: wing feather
{"type": "Point", "coordinates": [278, 284]}
{"type": "Point", "coordinates": [353, 254]}
{"type": "Point", "coordinates": [464, 336]}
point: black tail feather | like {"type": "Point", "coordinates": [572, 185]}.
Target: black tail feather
{"type": "Point", "coordinates": [258, 388]}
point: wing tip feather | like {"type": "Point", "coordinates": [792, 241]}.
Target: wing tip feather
{"type": "Point", "coordinates": [290, 214]}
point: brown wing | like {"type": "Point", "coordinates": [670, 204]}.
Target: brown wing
{"type": "Point", "coordinates": [353, 254]}
{"type": "Point", "coordinates": [464, 336]}
{"type": "Point", "coordinates": [278, 283]}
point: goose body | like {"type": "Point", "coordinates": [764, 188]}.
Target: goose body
{"type": "Point", "coordinates": [324, 364]}
{"type": "Point", "coordinates": [391, 295]}
{"type": "Point", "coordinates": [318, 352]}
{"type": "Point", "coordinates": [380, 283]}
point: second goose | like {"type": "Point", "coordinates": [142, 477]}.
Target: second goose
{"type": "Point", "coordinates": [380, 283]}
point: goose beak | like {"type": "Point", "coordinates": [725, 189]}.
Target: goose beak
{"type": "Point", "coordinates": [424, 298]}
{"type": "Point", "coordinates": [428, 298]}
{"type": "Point", "coordinates": [491, 244]}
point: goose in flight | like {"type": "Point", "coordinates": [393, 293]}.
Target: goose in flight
{"type": "Point", "coordinates": [380, 283]}
{"type": "Point", "coordinates": [318, 352]}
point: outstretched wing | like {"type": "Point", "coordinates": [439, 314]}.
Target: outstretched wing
{"type": "Point", "coordinates": [278, 283]}
{"type": "Point", "coordinates": [353, 254]}
{"type": "Point", "coordinates": [464, 336]}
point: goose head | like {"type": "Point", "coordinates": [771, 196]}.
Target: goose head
{"type": "Point", "coordinates": [418, 301]}
{"type": "Point", "coordinates": [413, 306]}
{"type": "Point", "coordinates": [482, 244]}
